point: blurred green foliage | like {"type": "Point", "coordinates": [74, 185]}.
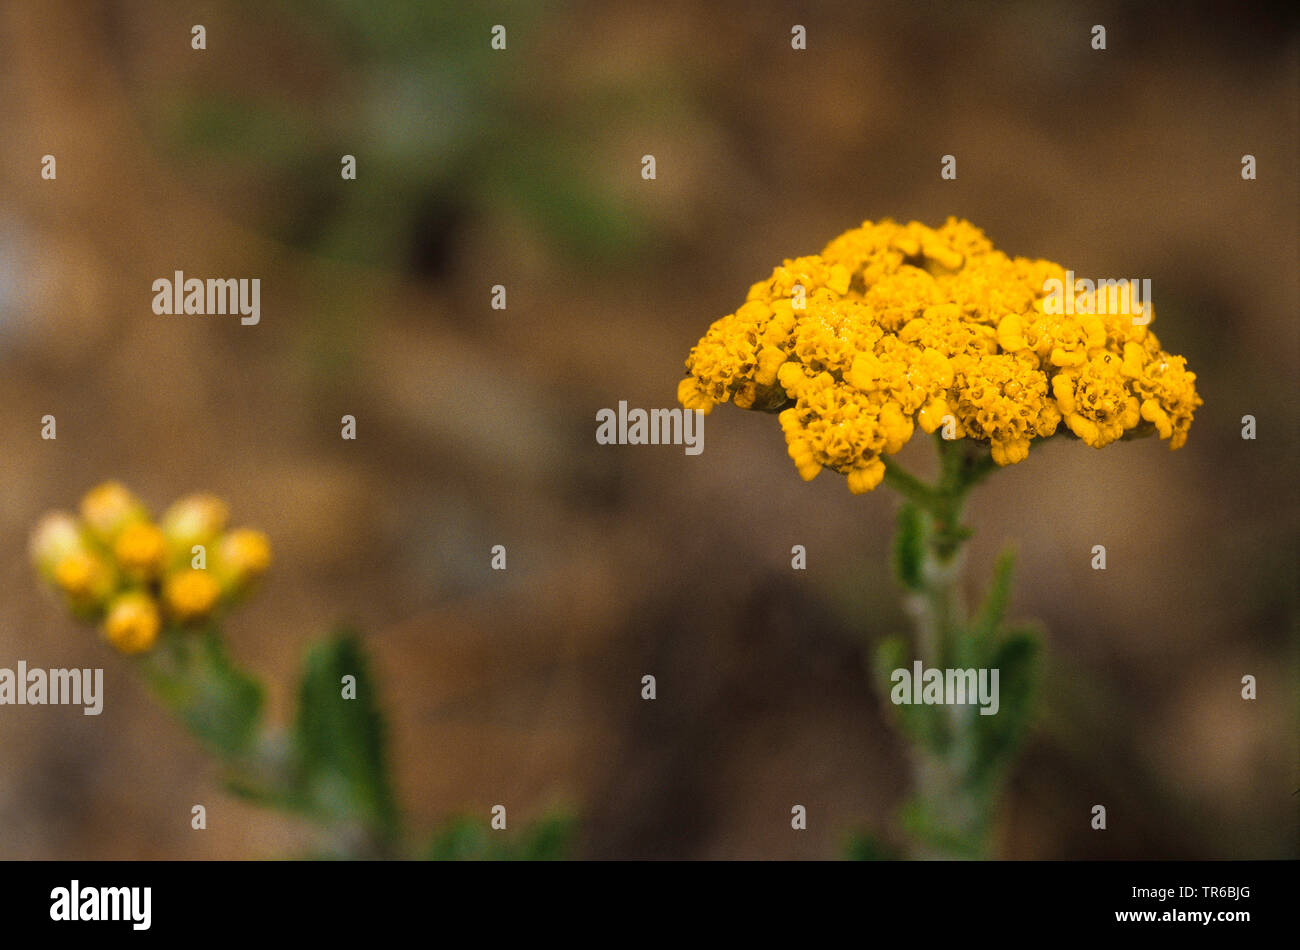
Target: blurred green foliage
{"type": "Point", "coordinates": [194, 677]}
{"type": "Point", "coordinates": [332, 766]}
{"type": "Point", "coordinates": [468, 839]}
{"type": "Point", "coordinates": [444, 128]}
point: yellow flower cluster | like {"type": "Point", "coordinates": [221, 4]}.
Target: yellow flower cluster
{"type": "Point", "coordinates": [114, 565]}
{"type": "Point", "coordinates": [897, 326]}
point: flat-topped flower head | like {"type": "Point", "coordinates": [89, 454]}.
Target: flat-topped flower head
{"type": "Point", "coordinates": [898, 327]}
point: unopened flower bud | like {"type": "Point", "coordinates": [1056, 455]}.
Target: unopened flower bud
{"type": "Point", "coordinates": [140, 550]}
{"type": "Point", "coordinates": [243, 556]}
{"type": "Point", "coordinates": [110, 507]}
{"type": "Point", "coordinates": [190, 595]}
{"type": "Point", "coordinates": [132, 623]}
{"type": "Point", "coordinates": [57, 536]}
{"type": "Point", "coordinates": [87, 579]}
{"type": "Point", "coordinates": [194, 519]}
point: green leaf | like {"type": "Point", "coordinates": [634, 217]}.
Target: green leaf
{"type": "Point", "coordinates": [460, 839]}
{"type": "Point", "coordinates": [923, 724]}
{"type": "Point", "coordinates": [339, 743]}
{"type": "Point", "coordinates": [868, 846]}
{"type": "Point", "coordinates": [464, 838]}
{"type": "Point", "coordinates": [548, 839]}
{"type": "Point", "coordinates": [909, 546]}
{"type": "Point", "coordinates": [984, 626]}
{"type": "Point", "coordinates": [219, 703]}
{"type": "Point", "coordinates": [998, 736]}
{"type": "Point", "coordinates": [921, 820]}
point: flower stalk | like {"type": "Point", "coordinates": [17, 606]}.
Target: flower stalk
{"type": "Point", "coordinates": [954, 775]}
{"type": "Point", "coordinates": [942, 774]}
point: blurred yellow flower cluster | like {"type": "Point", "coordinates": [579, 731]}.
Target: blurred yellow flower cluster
{"type": "Point", "coordinates": [894, 326]}
{"type": "Point", "coordinates": [116, 566]}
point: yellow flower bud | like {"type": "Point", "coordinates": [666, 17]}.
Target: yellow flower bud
{"type": "Point", "coordinates": [1011, 333]}
{"type": "Point", "coordinates": [194, 519]}
{"type": "Point", "coordinates": [140, 550]}
{"type": "Point", "coordinates": [691, 396]}
{"type": "Point", "coordinates": [770, 359]}
{"type": "Point", "coordinates": [1083, 428]}
{"type": "Point", "coordinates": [1009, 452]}
{"type": "Point", "coordinates": [57, 536]}
{"type": "Point", "coordinates": [931, 415]}
{"type": "Point", "coordinates": [908, 244]}
{"type": "Point", "coordinates": [839, 279]}
{"type": "Point", "coordinates": [1133, 360]}
{"type": "Point", "coordinates": [110, 507]}
{"type": "Point", "coordinates": [1152, 412]}
{"type": "Point", "coordinates": [243, 556]}
{"type": "Point", "coordinates": [86, 579]}
{"type": "Point", "coordinates": [790, 376]}
{"type": "Point", "coordinates": [943, 256]}
{"type": "Point", "coordinates": [864, 371]}
{"type": "Point", "coordinates": [1094, 329]}
{"type": "Point", "coordinates": [897, 429]}
{"type": "Point", "coordinates": [132, 623]}
{"type": "Point", "coordinates": [807, 468]}
{"type": "Point", "coordinates": [801, 454]}
{"type": "Point", "coordinates": [190, 595]}
{"type": "Point", "coordinates": [862, 480]}
{"type": "Point", "coordinates": [1063, 357]}
{"type": "Point", "coordinates": [1063, 390]}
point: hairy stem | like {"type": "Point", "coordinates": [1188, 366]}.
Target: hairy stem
{"type": "Point", "coordinates": [954, 808]}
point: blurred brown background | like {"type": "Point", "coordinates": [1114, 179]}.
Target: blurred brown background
{"type": "Point", "coordinates": [476, 427]}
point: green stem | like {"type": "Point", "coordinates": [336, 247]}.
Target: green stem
{"type": "Point", "coordinates": [222, 706]}
{"type": "Point", "coordinates": [955, 807]}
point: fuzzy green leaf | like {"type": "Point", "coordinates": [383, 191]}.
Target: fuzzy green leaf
{"type": "Point", "coordinates": [974, 649]}
{"type": "Point", "coordinates": [909, 546]}
{"type": "Point", "coordinates": [998, 736]}
{"type": "Point", "coordinates": [994, 607]}
{"type": "Point", "coordinates": [923, 724]}
{"type": "Point", "coordinates": [339, 743]}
